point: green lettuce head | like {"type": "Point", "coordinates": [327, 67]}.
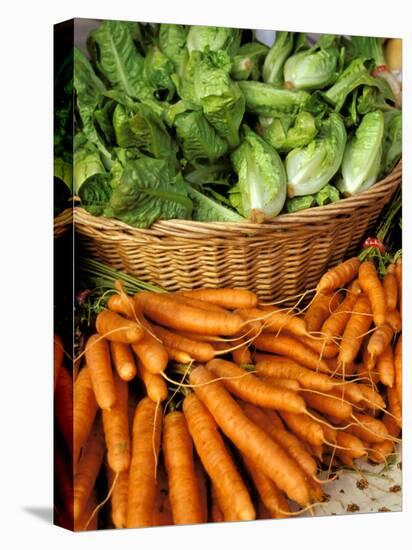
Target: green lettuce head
{"type": "Point", "coordinates": [363, 153]}
{"type": "Point", "coordinates": [312, 69]}
{"type": "Point", "coordinates": [260, 192]}
{"type": "Point", "coordinates": [201, 38]}
{"type": "Point", "coordinates": [310, 168]}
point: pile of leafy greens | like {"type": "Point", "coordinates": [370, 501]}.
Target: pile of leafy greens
{"type": "Point", "coordinates": [207, 123]}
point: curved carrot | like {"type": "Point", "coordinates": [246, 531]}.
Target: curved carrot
{"type": "Point", "coordinates": [58, 352]}
{"type": "Point", "coordinates": [116, 429]}
{"type": "Point", "coordinates": [84, 411]}
{"type": "Point", "coordinates": [381, 451]}
{"type": "Point", "coordinates": [356, 446]}
{"type": "Point", "coordinates": [216, 458]}
{"type": "Point", "coordinates": [200, 351]}
{"type": "Point", "coordinates": [229, 298]}
{"type": "Point", "coordinates": [372, 287]}
{"type": "Point", "coordinates": [329, 405]}
{"type": "Point", "coordinates": [63, 407]}
{"type": "Point", "coordinates": [270, 422]}
{"type": "Point", "coordinates": [322, 306]}
{"type": "Point", "coordinates": [357, 326]}
{"type": "Point", "coordinates": [273, 499]}
{"type": "Point", "coordinates": [380, 340]}
{"type": "Point", "coordinates": [242, 355]}
{"type": "Point", "coordinates": [386, 368]}
{"type": "Point", "coordinates": [152, 353]}
{"type": "Point", "coordinates": [368, 429]}
{"type": "Point", "coordinates": [178, 356]}
{"type": "Point", "coordinates": [390, 287]}
{"type": "Point", "coordinates": [372, 399]}
{"type": "Point", "coordinates": [252, 442]}
{"type": "Point", "coordinates": [147, 426]}
{"type": "Point", "coordinates": [123, 304]}
{"type": "Point", "coordinates": [253, 390]}
{"type": "Point", "coordinates": [100, 371]}
{"type": "Point", "coordinates": [274, 319]}
{"type": "Point", "coordinates": [304, 427]}
{"type": "Point", "coordinates": [323, 348]}
{"type": "Point", "coordinates": [118, 499]}
{"type": "Point", "coordinates": [335, 324]}
{"type": "Point", "coordinates": [339, 275]}
{"type": "Point", "coordinates": [123, 360]}
{"type": "Point", "coordinates": [88, 468]}
{"type": "Point", "coordinates": [397, 359]}
{"type": "Point", "coordinates": [183, 484]}
{"type": "Point", "coordinates": [216, 514]}
{"type": "Point", "coordinates": [292, 348]}
{"type": "Point", "coordinates": [116, 328]}
{"type": "Point", "coordinates": [287, 383]}
{"type": "Point", "coordinates": [165, 311]}
{"type": "Point", "coordinates": [394, 406]}
{"type": "Point", "coordinates": [394, 320]}
{"type": "Point", "coordinates": [155, 384]}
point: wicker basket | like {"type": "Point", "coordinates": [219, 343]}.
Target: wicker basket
{"type": "Point", "coordinates": [63, 222]}
{"type": "Point", "coordinates": [277, 259]}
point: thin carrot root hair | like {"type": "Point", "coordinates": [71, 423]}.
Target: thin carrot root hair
{"type": "Point", "coordinates": [301, 511]}
{"type": "Point", "coordinates": [246, 342]}
{"type": "Point", "coordinates": [118, 285]}
{"type": "Point", "coordinates": [325, 481]}
{"type": "Point", "coordinates": [176, 391]}
{"type": "Point", "coordinates": [181, 385]}
{"type": "Point", "coordinates": [103, 502]}
{"type": "Point", "coordinates": [300, 296]}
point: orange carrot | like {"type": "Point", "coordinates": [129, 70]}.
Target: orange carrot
{"type": "Point", "coordinates": [84, 411]}
{"type": "Point", "coordinates": [201, 483]}
{"type": "Point", "coordinates": [287, 383]}
{"type": "Point", "coordinates": [386, 368]}
{"type": "Point", "coordinates": [116, 429]}
{"type": "Point", "coordinates": [368, 429]}
{"type": "Point", "coordinates": [58, 352]}
{"type": "Point", "coordinates": [229, 298]}
{"type": "Point", "coordinates": [216, 459]}
{"type": "Point", "coordinates": [63, 407]}
{"type": "Point", "coordinates": [368, 359]}
{"type": "Point", "coordinates": [279, 367]}
{"type": "Point", "coordinates": [252, 442]}
{"type": "Point", "coordinates": [304, 427]}
{"type": "Point", "coordinates": [380, 340]}
{"type": "Point", "coordinates": [123, 360]}
{"type": "Point", "coordinates": [320, 309]}
{"type": "Point", "coordinates": [356, 446]}
{"type": "Point", "coordinates": [357, 326]}
{"type": "Point", "coordinates": [122, 304]}
{"type": "Point", "coordinates": [274, 319]}
{"type": "Point", "coordinates": [273, 499]}
{"type": "Point", "coordinates": [339, 275]}
{"type": "Point", "coordinates": [155, 384]}
{"type": "Point", "coordinates": [335, 324]}
{"type": "Point", "coordinates": [390, 287]}
{"type": "Point", "coordinates": [292, 348]}
{"type": "Point", "coordinates": [323, 347]}
{"type": "Point", "coordinates": [397, 359]}
{"type": "Point", "coordinates": [118, 497]}
{"type": "Point", "coordinates": [195, 302]}
{"type": "Point", "coordinates": [372, 287]}
{"type": "Point", "coordinates": [63, 485]}
{"type": "Point", "coordinates": [394, 406]}
{"type": "Point", "coordinates": [200, 351]}
{"type": "Point", "coordinates": [84, 523]}
{"type": "Point", "coordinates": [117, 329]}
{"type": "Point", "coordinates": [270, 422]}
{"type": "Point", "coordinates": [183, 484]}
{"type": "Point", "coordinates": [165, 311]}
{"type": "Point", "coordinates": [216, 514]}
{"type": "Point", "coordinates": [242, 355]}
{"type": "Point", "coordinates": [372, 399]}
{"type": "Point", "coordinates": [394, 320]}
{"type": "Point", "coordinates": [252, 389]}
{"type": "Point", "coordinates": [88, 469]}
{"type": "Point", "coordinates": [100, 371]}
{"type": "Point", "coordinates": [381, 451]}
{"type": "Point", "coordinates": [152, 353]}
{"type": "Point", "coordinates": [329, 405]}
{"type": "Point", "coordinates": [147, 426]}
{"type": "Point", "coordinates": [178, 356]}
{"type": "Point", "coordinates": [398, 274]}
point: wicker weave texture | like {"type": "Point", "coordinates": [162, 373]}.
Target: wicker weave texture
{"type": "Point", "coordinates": [62, 222]}
{"type": "Point", "coordinates": [278, 259]}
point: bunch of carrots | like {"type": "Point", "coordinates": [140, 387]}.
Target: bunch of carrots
{"type": "Point", "coordinates": [207, 405]}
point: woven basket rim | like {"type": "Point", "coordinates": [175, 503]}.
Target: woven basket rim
{"type": "Point", "coordinates": [311, 216]}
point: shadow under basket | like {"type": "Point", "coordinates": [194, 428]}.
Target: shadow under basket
{"type": "Point", "coordinates": [277, 259]}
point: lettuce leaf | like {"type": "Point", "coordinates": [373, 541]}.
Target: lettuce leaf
{"type": "Point", "coordinates": [148, 191]}
{"type": "Point", "coordinates": [206, 209]}
{"type": "Point", "coordinates": [172, 42]}
{"type": "Point", "coordinates": [201, 38]}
